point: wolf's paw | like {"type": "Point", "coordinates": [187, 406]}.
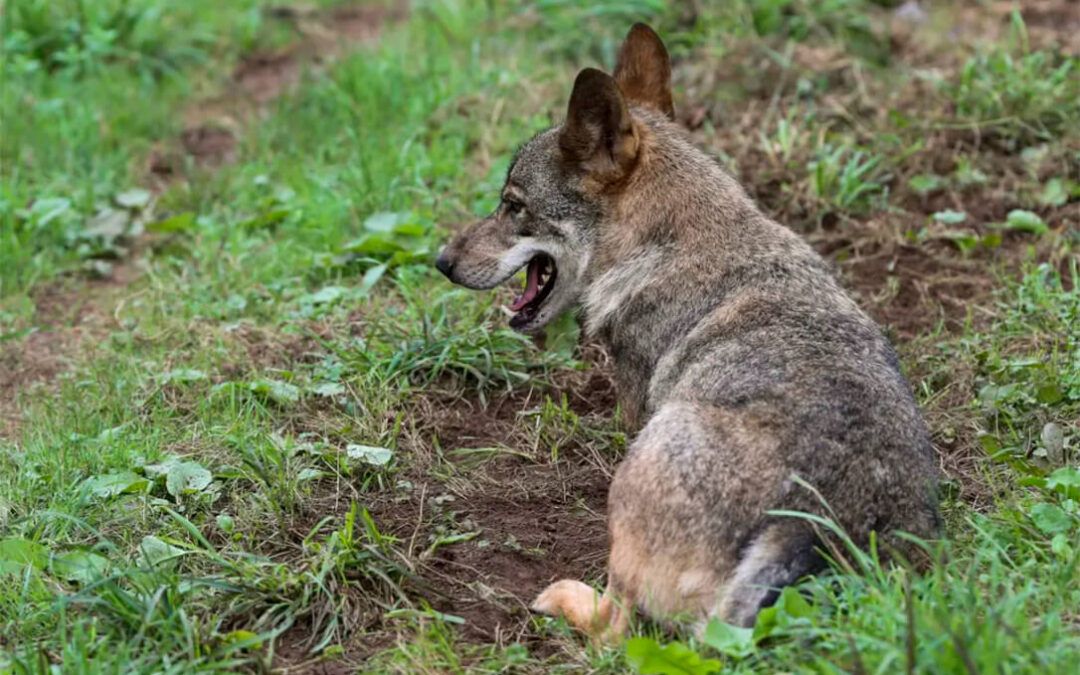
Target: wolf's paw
{"type": "Point", "coordinates": [573, 600]}
{"type": "Point", "coordinates": [583, 608]}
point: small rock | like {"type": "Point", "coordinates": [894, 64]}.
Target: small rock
{"type": "Point", "coordinates": [910, 12]}
{"type": "Point", "coordinates": [1053, 439]}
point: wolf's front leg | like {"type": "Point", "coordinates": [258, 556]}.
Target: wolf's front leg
{"type": "Point", "coordinates": [602, 617]}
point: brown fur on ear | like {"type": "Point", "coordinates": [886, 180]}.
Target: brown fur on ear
{"type": "Point", "coordinates": [598, 133]}
{"type": "Point", "coordinates": [643, 70]}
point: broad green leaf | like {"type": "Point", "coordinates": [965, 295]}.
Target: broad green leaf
{"type": "Point", "coordinates": [649, 658]}
{"type": "Point", "coordinates": [794, 604]}
{"type": "Point", "coordinates": [181, 222]}
{"type": "Point", "coordinates": [185, 477]}
{"type": "Point", "coordinates": [81, 566]}
{"type": "Point", "coordinates": [225, 522]}
{"type": "Point", "coordinates": [730, 640]}
{"type": "Point", "coordinates": [924, 183]}
{"type": "Point", "coordinates": [155, 551]}
{"type": "Point", "coordinates": [49, 209]}
{"type": "Point", "coordinates": [1064, 478]}
{"type": "Point", "coordinates": [965, 241]}
{"type": "Point", "coordinates": [562, 335]}
{"type": "Point", "coordinates": [371, 277]}
{"type": "Point", "coordinates": [1060, 544]}
{"type": "Point", "coordinates": [161, 468]}
{"type": "Point", "coordinates": [326, 295]}
{"type": "Point", "coordinates": [113, 484]}
{"type": "Point", "coordinates": [410, 230]}
{"type": "Point", "coordinates": [1049, 394]}
{"type": "Point", "coordinates": [374, 245]}
{"type": "Point", "coordinates": [17, 553]}
{"type": "Point", "coordinates": [1055, 192]}
{"type": "Point", "coordinates": [369, 454]}
{"type": "Point", "coordinates": [277, 391]}
{"type": "Point", "coordinates": [181, 375]}
{"type": "Point", "coordinates": [113, 433]}
{"type": "Point", "coordinates": [109, 224]}
{"type": "Point", "coordinates": [406, 257]}
{"type": "Point", "coordinates": [989, 443]}
{"type": "Point", "coordinates": [765, 623]}
{"type": "Point", "coordinates": [328, 389]}
{"type": "Point", "coordinates": [243, 636]}
{"type": "Point", "coordinates": [268, 219]}
{"type": "Point", "coordinates": [386, 221]}
{"type": "Point", "coordinates": [1025, 221]}
{"type": "Point", "coordinates": [1050, 518]}
{"type": "Point", "coordinates": [993, 393]}
{"type": "Point", "coordinates": [950, 217]}
{"type": "Point", "coordinates": [135, 198]}
{"type": "Point", "coordinates": [309, 474]}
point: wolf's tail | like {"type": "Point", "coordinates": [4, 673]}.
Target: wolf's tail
{"type": "Point", "coordinates": [784, 553]}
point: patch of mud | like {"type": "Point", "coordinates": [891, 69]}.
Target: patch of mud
{"type": "Point", "coordinates": [207, 144]}
{"type": "Point", "coordinates": [529, 518]}
{"type": "Point", "coordinates": [262, 77]}
{"type": "Point", "coordinates": [911, 290]}
{"type": "Point", "coordinates": [357, 23]}
{"type": "Point", "coordinates": [535, 525]}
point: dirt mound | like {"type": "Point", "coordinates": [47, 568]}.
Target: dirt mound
{"type": "Point", "coordinates": [208, 144]}
{"type": "Point", "coordinates": [507, 514]}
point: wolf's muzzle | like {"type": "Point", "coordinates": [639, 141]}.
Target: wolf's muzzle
{"type": "Point", "coordinates": [443, 264]}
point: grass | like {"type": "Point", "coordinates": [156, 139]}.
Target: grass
{"type": "Point", "coordinates": [267, 446]}
{"type": "Point", "coordinates": [1017, 92]}
{"type": "Point", "coordinates": [89, 86]}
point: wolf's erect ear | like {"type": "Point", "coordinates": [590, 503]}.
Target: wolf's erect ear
{"type": "Point", "coordinates": [598, 133]}
{"type": "Point", "coordinates": [643, 70]}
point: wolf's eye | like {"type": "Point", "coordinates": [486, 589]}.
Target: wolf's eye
{"type": "Point", "coordinates": [514, 208]}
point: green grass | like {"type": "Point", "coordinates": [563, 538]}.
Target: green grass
{"type": "Point", "coordinates": [89, 85]}
{"type": "Point", "coordinates": [193, 492]}
{"type": "Point", "coordinates": [1021, 94]}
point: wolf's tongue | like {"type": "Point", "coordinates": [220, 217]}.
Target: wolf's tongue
{"type": "Point", "coordinates": [532, 286]}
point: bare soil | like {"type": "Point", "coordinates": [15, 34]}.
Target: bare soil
{"type": "Point", "coordinates": [524, 518]}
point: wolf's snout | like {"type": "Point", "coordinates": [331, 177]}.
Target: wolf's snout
{"type": "Point", "coordinates": [444, 265]}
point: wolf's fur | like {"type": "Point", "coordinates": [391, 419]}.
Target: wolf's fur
{"type": "Point", "coordinates": [732, 340]}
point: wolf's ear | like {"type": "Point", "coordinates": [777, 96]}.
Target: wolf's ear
{"type": "Point", "coordinates": [598, 132]}
{"type": "Point", "coordinates": [643, 70]}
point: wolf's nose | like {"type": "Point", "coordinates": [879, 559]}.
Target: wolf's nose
{"type": "Point", "coordinates": [443, 264]}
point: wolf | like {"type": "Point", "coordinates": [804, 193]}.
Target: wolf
{"type": "Point", "coordinates": [756, 382]}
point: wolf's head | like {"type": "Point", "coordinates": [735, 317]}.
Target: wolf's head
{"type": "Point", "coordinates": [560, 186]}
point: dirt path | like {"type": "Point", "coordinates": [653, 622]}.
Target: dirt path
{"type": "Point", "coordinates": [73, 314]}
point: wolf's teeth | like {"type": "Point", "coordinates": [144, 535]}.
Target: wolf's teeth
{"type": "Point", "coordinates": [507, 311]}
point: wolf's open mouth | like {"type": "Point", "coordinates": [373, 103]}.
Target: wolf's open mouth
{"type": "Point", "coordinates": [539, 280]}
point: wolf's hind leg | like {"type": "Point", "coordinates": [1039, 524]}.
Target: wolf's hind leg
{"type": "Point", "coordinates": [602, 617]}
